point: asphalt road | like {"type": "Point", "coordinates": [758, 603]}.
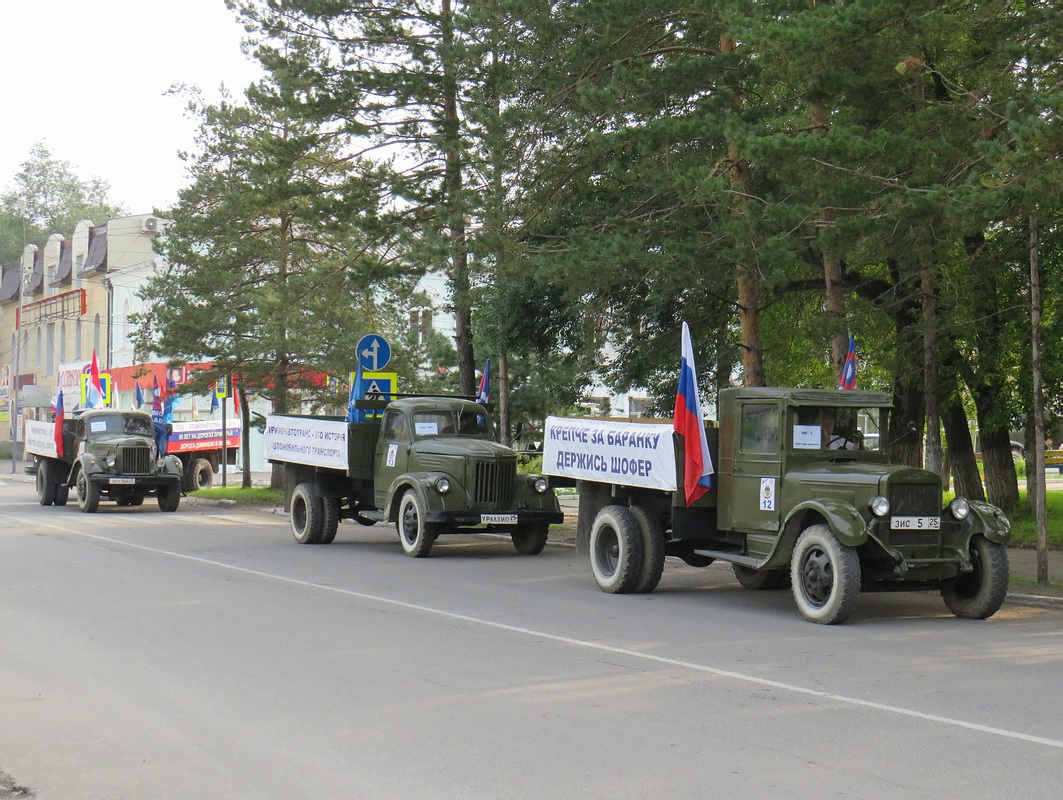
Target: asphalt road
{"type": "Point", "coordinates": [206, 654]}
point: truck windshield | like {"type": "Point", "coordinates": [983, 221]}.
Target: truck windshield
{"type": "Point", "coordinates": [133, 424]}
{"type": "Point", "coordinates": [836, 428]}
{"type": "Point", "coordinates": [451, 423]}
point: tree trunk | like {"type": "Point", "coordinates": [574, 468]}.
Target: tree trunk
{"type": "Point", "coordinates": [905, 445]}
{"type": "Point", "coordinates": [930, 371]}
{"type": "Point", "coordinates": [245, 436]}
{"type": "Point", "coordinates": [1038, 405]}
{"type": "Point", "coordinates": [961, 451]}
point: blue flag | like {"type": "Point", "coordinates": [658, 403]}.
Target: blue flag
{"type": "Point", "coordinates": [483, 394]}
{"type": "Point", "coordinates": [355, 414]}
{"type": "Point", "coordinates": [213, 402]}
{"type": "Point", "coordinates": [139, 397]}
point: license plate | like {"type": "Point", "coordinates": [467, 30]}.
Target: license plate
{"type": "Point", "coordinates": [123, 481]}
{"type": "Point", "coordinates": [499, 519]}
{"type": "Point", "coordinates": [915, 523]}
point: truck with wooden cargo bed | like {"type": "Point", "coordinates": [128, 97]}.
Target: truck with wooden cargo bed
{"type": "Point", "coordinates": [105, 453]}
{"type": "Point", "coordinates": [798, 498]}
{"type": "Point", "coordinates": [431, 465]}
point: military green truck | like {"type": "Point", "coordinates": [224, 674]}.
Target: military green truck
{"type": "Point", "coordinates": [106, 454]}
{"type": "Point", "coordinates": [431, 465]}
{"type": "Point", "coordinates": [802, 496]}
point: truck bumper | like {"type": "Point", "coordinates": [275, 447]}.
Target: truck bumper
{"type": "Point", "coordinates": [489, 520]}
{"type": "Point", "coordinates": [110, 482]}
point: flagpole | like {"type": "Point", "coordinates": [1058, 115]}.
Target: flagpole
{"type": "Point", "coordinates": [224, 431]}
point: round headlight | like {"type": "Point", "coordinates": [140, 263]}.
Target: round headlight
{"type": "Point", "coordinates": [110, 461]}
{"type": "Point", "coordinates": [442, 485]}
{"type": "Point", "coordinates": [541, 485]}
{"type": "Point", "coordinates": [879, 505]}
{"type": "Point", "coordinates": [960, 508]}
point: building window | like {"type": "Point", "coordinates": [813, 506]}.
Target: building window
{"type": "Point", "coordinates": [62, 343]}
{"type": "Point", "coordinates": [50, 358]}
{"type": "Point", "coordinates": [77, 340]}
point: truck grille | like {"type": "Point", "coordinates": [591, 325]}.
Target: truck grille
{"type": "Point", "coordinates": [494, 481]}
{"type": "Point", "coordinates": [915, 500]}
{"type": "Point", "coordinates": [134, 460]}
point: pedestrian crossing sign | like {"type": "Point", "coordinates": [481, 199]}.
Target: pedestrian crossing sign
{"type": "Point", "coordinates": [105, 387]}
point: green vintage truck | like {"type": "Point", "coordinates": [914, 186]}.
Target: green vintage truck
{"type": "Point", "coordinates": [802, 496]}
{"type": "Point", "coordinates": [106, 454]}
{"type": "Point", "coordinates": [431, 465]}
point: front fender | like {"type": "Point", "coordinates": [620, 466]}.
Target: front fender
{"type": "Point", "coordinates": [89, 464]}
{"type": "Point", "coordinates": [171, 465]}
{"type": "Point", "coordinates": [420, 482]}
{"type": "Point", "coordinates": [989, 521]}
{"type": "Point", "coordinates": [844, 520]}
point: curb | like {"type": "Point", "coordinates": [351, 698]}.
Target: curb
{"type": "Point", "coordinates": [1042, 601]}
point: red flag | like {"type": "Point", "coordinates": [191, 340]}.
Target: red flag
{"type": "Point", "coordinates": [236, 397]}
{"type": "Point", "coordinates": [57, 434]}
{"type": "Point", "coordinates": [94, 395]}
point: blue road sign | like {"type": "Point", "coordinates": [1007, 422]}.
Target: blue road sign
{"type": "Point", "coordinates": [374, 352]}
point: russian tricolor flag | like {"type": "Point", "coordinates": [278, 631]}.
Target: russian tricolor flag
{"type": "Point", "coordinates": [697, 464]}
{"type": "Point", "coordinates": [57, 434]}
{"type": "Point", "coordinates": [848, 380]}
{"type": "Point", "coordinates": [94, 395]}
{"type": "Point", "coordinates": [483, 393]}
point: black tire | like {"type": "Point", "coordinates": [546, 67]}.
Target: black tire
{"type": "Point", "coordinates": [616, 550]}
{"type": "Point", "coordinates": [200, 475]}
{"type": "Point", "coordinates": [761, 579]}
{"type": "Point", "coordinates": [825, 576]}
{"type": "Point", "coordinates": [88, 494]}
{"type": "Point", "coordinates": [45, 487]}
{"type": "Point", "coordinates": [330, 510]}
{"type": "Point", "coordinates": [308, 514]}
{"type": "Point", "coordinates": [652, 533]}
{"type": "Point", "coordinates": [62, 494]}
{"type": "Point", "coordinates": [529, 540]}
{"type": "Point", "coordinates": [979, 595]}
{"type": "Point", "coordinates": [413, 530]}
{"type": "Point", "coordinates": [136, 500]}
{"type": "Point", "coordinates": [169, 497]}
{"type": "Point", "coordinates": [123, 500]}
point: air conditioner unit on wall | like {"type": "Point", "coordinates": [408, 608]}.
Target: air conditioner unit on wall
{"type": "Point", "coordinates": [150, 225]}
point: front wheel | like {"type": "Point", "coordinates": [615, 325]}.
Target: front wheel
{"type": "Point", "coordinates": [413, 530]}
{"type": "Point", "coordinates": [45, 487]}
{"type": "Point", "coordinates": [980, 594]}
{"type": "Point", "coordinates": [529, 540]}
{"type": "Point", "coordinates": [169, 497]}
{"type": "Point", "coordinates": [88, 494]}
{"type": "Point", "coordinates": [616, 550]}
{"type": "Point", "coordinates": [825, 575]}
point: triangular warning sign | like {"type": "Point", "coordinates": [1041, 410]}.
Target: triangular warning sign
{"type": "Point", "coordinates": [372, 389]}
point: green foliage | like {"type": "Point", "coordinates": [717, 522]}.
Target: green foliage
{"type": "Point", "coordinates": [255, 496]}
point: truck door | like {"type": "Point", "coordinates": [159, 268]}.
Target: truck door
{"type": "Point", "coordinates": [392, 453]}
{"type": "Point", "coordinates": [757, 469]}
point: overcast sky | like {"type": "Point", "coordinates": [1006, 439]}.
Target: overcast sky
{"type": "Point", "coordinates": [90, 80]}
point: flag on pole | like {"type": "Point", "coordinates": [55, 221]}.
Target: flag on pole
{"type": "Point", "coordinates": [213, 402]}
{"type": "Point", "coordinates": [57, 434]}
{"type": "Point", "coordinates": [236, 396]}
{"type": "Point", "coordinates": [355, 414]}
{"type": "Point", "coordinates": [697, 463]}
{"type": "Point", "coordinates": [483, 394]}
{"type": "Point", "coordinates": [139, 398]}
{"type": "Point", "coordinates": [195, 408]}
{"type": "Point", "coordinates": [848, 380]}
{"type": "Point", "coordinates": [94, 394]}
{"type": "Point", "coordinates": [156, 401]}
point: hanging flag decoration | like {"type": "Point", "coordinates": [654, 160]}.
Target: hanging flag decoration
{"type": "Point", "coordinates": [355, 414]}
{"type": "Point", "coordinates": [94, 395]}
{"type": "Point", "coordinates": [697, 463]}
{"type": "Point", "coordinates": [195, 408]}
{"type": "Point", "coordinates": [139, 398]}
{"type": "Point", "coordinates": [236, 397]}
{"type": "Point", "coordinates": [57, 434]}
{"type": "Point", "coordinates": [848, 380]}
{"type": "Point", "coordinates": [483, 395]}
{"type": "Point", "coordinates": [156, 401]}
{"type": "Point", "coordinates": [213, 403]}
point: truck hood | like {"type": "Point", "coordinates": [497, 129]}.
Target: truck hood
{"type": "Point", "coordinates": [461, 446]}
{"type": "Point", "coordinates": [850, 471]}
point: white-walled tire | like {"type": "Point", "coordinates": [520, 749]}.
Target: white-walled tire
{"type": "Point", "coordinates": [980, 594]}
{"type": "Point", "coordinates": [825, 576]}
{"type": "Point", "coordinates": [652, 533]}
{"type": "Point", "coordinates": [616, 550]}
{"type": "Point", "coordinates": [308, 522]}
{"type": "Point", "coordinates": [413, 529]}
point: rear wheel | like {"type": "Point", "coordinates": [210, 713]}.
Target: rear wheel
{"type": "Point", "coordinates": [88, 494]}
{"type": "Point", "coordinates": [45, 487]}
{"type": "Point", "coordinates": [529, 540]}
{"type": "Point", "coordinates": [979, 594]}
{"type": "Point", "coordinates": [616, 550]}
{"type": "Point", "coordinates": [413, 530]}
{"type": "Point", "coordinates": [169, 497]}
{"type": "Point", "coordinates": [330, 510]}
{"type": "Point", "coordinates": [825, 575]}
{"type": "Point", "coordinates": [308, 523]}
{"type": "Point", "coordinates": [201, 475]}
{"type": "Point", "coordinates": [652, 533]}
{"type": "Point", "coordinates": [62, 494]}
